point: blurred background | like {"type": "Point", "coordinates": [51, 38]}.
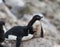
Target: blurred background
{"type": "Point", "coordinates": [19, 12]}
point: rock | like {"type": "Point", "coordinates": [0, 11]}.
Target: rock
{"type": "Point", "coordinates": [3, 15]}
{"type": "Point", "coordinates": [36, 42]}
{"type": "Point", "coordinates": [16, 6]}
{"type": "Point", "coordinates": [51, 9]}
{"type": "Point", "coordinates": [15, 3]}
{"type": "Point", "coordinates": [39, 42]}
{"type": "Point", "coordinates": [48, 28]}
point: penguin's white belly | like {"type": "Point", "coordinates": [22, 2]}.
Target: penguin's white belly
{"type": "Point", "coordinates": [12, 37]}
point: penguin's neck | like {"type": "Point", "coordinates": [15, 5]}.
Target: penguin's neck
{"type": "Point", "coordinates": [31, 22]}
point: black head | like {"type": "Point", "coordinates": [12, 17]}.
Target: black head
{"type": "Point", "coordinates": [2, 23]}
{"type": "Point", "coordinates": [37, 17]}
